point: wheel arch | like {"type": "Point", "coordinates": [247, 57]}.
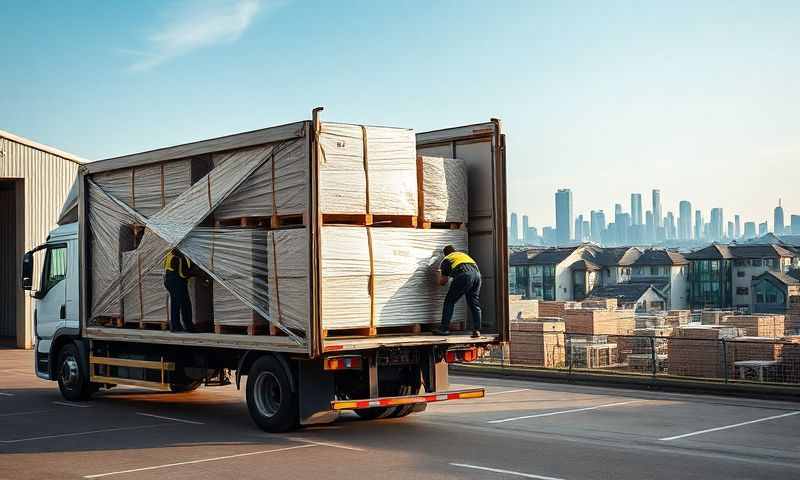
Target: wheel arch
{"type": "Point", "coordinates": [249, 358]}
{"type": "Point", "coordinates": [64, 337]}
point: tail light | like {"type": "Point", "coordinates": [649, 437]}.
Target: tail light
{"type": "Point", "coordinates": [344, 362]}
{"type": "Point", "coordinates": [462, 355]}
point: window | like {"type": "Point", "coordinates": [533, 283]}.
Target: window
{"type": "Point", "coordinates": [771, 263]}
{"type": "Point", "coordinates": [55, 267]}
{"type": "Point", "coordinates": [654, 271]}
{"type": "Point", "coordinates": [740, 263]}
{"type": "Point", "coordinates": [771, 297]}
{"type": "Point", "coordinates": [742, 291]}
{"type": "Point", "coordinates": [759, 297]}
{"type": "Point", "coordinates": [756, 262]}
{"type": "Point", "coordinates": [740, 274]}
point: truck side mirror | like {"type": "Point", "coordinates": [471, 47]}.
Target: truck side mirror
{"type": "Point", "coordinates": [27, 271]}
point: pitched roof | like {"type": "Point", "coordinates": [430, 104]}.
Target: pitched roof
{"type": "Point", "coordinates": [760, 251]}
{"type": "Point", "coordinates": [784, 278]}
{"type": "Point", "coordinates": [585, 265]}
{"type": "Point", "coordinates": [523, 257]}
{"type": "Point", "coordinates": [551, 256]}
{"type": "Point", "coordinates": [714, 251]}
{"type": "Point", "coordinates": [627, 292]}
{"type": "Point", "coordinates": [42, 147]}
{"type": "Point", "coordinates": [614, 256]}
{"type": "Point", "coordinates": [655, 256]}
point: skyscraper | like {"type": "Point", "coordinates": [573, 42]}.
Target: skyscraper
{"type": "Point", "coordinates": [579, 234]}
{"type": "Point", "coordinates": [658, 220]}
{"type": "Point", "coordinates": [737, 233]}
{"type": "Point", "coordinates": [730, 230]}
{"type": "Point", "coordinates": [624, 229]}
{"type": "Point", "coordinates": [684, 220]}
{"type": "Point", "coordinates": [778, 225]}
{"type": "Point", "coordinates": [795, 225]}
{"type": "Point", "coordinates": [617, 210]}
{"type": "Point", "coordinates": [525, 233]}
{"type": "Point", "coordinates": [763, 229]}
{"type": "Point", "coordinates": [636, 209]}
{"type": "Point", "coordinates": [698, 225]}
{"type": "Point", "coordinates": [513, 234]}
{"type": "Point", "coordinates": [749, 230]}
{"type": "Point", "coordinates": [598, 219]}
{"type": "Point", "coordinates": [563, 216]}
{"type": "Point", "coordinates": [650, 227]}
{"type": "Point", "coordinates": [670, 232]}
{"type": "Point", "coordinates": [549, 236]}
{"type": "Point", "coordinates": [717, 220]}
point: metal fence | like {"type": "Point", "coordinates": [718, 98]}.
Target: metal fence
{"type": "Point", "coordinates": [748, 359]}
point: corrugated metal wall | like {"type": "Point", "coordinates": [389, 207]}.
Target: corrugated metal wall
{"type": "Point", "coordinates": [47, 179]}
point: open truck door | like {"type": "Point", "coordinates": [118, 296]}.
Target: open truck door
{"type": "Point", "coordinates": [482, 147]}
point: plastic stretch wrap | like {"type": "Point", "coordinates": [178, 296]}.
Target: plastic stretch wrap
{"type": "Point", "coordinates": [234, 259]}
{"type": "Point", "coordinates": [150, 302]}
{"type": "Point", "coordinates": [405, 262]}
{"type": "Point", "coordinates": [444, 189]}
{"type": "Point", "coordinates": [147, 189]}
{"type": "Point", "coordinates": [254, 198]}
{"type": "Point", "coordinates": [287, 263]}
{"type": "Point", "coordinates": [390, 167]}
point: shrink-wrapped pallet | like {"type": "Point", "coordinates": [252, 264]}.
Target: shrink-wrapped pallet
{"type": "Point", "coordinates": [404, 264]}
{"type": "Point", "coordinates": [287, 264]}
{"type": "Point", "coordinates": [285, 171]}
{"type": "Point", "coordinates": [443, 189]}
{"type": "Point", "coordinates": [150, 188]}
{"type": "Point", "coordinates": [239, 255]}
{"type": "Point", "coordinates": [149, 300]}
{"type": "Point", "coordinates": [379, 179]}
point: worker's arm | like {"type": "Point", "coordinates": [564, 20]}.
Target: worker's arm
{"type": "Point", "coordinates": [443, 272]}
{"type": "Point", "coordinates": [442, 279]}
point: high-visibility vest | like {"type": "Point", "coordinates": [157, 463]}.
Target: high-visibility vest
{"type": "Point", "coordinates": [169, 268]}
{"type": "Point", "coordinates": [457, 258]}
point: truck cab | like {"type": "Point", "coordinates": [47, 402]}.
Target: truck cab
{"type": "Point", "coordinates": [51, 273]}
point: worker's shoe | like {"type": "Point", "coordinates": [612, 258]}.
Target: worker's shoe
{"type": "Point", "coordinates": [476, 334]}
{"type": "Point", "coordinates": [441, 332]}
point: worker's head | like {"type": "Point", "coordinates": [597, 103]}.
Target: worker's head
{"type": "Point", "coordinates": [448, 249]}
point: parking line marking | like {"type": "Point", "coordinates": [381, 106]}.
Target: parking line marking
{"type": "Point", "coordinates": [23, 413]}
{"type": "Point", "coordinates": [326, 444]}
{"type": "Point", "coordinates": [574, 410]}
{"type": "Point", "coordinates": [202, 460]}
{"type": "Point", "coordinates": [726, 427]}
{"type": "Point", "coordinates": [67, 404]}
{"type": "Point", "coordinates": [3, 394]}
{"type": "Point", "coordinates": [505, 472]}
{"type": "Point", "coordinates": [508, 391]}
{"type": "Point", "coordinates": [192, 422]}
{"type": "Point", "coordinates": [75, 434]}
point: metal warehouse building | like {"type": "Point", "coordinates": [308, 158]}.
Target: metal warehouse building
{"type": "Point", "coordinates": [34, 181]}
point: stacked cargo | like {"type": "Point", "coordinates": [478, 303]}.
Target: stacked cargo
{"type": "Point", "coordinates": [522, 309]}
{"type": "Point", "coordinates": [793, 315]}
{"type": "Point", "coordinates": [600, 304]}
{"type": "Point", "coordinates": [676, 318]}
{"type": "Point", "coordinates": [538, 343]}
{"type": "Point", "coordinates": [757, 325]}
{"type": "Point", "coordinates": [243, 216]}
{"type": "Point", "coordinates": [599, 322]}
{"type": "Point", "coordinates": [696, 351]}
{"type": "Point", "coordinates": [714, 317]}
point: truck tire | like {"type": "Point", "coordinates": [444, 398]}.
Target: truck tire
{"type": "Point", "coordinates": [270, 399]}
{"type": "Point", "coordinates": [72, 381]}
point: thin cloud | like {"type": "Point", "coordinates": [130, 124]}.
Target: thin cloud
{"type": "Point", "coordinates": [196, 26]}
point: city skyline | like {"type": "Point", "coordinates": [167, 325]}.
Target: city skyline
{"type": "Point", "coordinates": [661, 224]}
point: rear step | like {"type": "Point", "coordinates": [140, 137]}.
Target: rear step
{"type": "Point", "coordinates": [408, 399]}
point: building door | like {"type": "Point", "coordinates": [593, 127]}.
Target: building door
{"type": "Point", "coordinates": [11, 296]}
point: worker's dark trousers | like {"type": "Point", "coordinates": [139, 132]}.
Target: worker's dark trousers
{"type": "Point", "coordinates": [180, 306]}
{"type": "Point", "coordinates": [468, 284]}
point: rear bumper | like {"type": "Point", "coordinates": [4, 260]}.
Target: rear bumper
{"type": "Point", "coordinates": [409, 399]}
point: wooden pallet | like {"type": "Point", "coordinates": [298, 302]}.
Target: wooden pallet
{"type": "Point", "coordinates": [406, 221]}
{"type": "Point", "coordinates": [414, 328]}
{"type": "Point", "coordinates": [441, 225]}
{"type": "Point", "coordinates": [250, 222]}
{"type": "Point", "coordinates": [153, 325]}
{"type": "Point", "coordinates": [114, 322]}
{"type": "Point", "coordinates": [369, 219]}
{"type": "Point", "coordinates": [292, 220]}
{"type": "Point", "coordinates": [252, 329]}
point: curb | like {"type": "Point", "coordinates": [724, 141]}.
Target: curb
{"type": "Point", "coordinates": [637, 382]}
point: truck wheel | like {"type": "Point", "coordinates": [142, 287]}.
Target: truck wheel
{"type": "Point", "coordinates": [270, 400]}
{"type": "Point", "coordinates": [72, 382]}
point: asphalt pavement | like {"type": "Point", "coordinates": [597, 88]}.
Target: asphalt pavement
{"type": "Point", "coordinates": [521, 429]}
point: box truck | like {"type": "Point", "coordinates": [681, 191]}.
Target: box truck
{"type": "Point", "coordinates": [315, 245]}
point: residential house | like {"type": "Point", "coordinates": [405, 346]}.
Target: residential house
{"type": "Point", "coordinates": [666, 270]}
{"type": "Point", "coordinates": [720, 276]}
{"type": "Point", "coordinates": [772, 290]}
{"type": "Point", "coordinates": [641, 297]}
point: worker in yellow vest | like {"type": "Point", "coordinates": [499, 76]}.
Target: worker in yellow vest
{"type": "Point", "coordinates": [466, 282]}
{"type": "Point", "coordinates": [177, 270]}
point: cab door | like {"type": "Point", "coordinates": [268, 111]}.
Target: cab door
{"type": "Point", "coordinates": [51, 299]}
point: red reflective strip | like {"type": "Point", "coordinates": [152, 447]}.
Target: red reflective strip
{"type": "Point", "coordinates": [362, 404]}
{"type": "Point", "coordinates": [334, 347]}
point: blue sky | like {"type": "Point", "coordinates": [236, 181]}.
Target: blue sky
{"type": "Point", "coordinates": [699, 99]}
